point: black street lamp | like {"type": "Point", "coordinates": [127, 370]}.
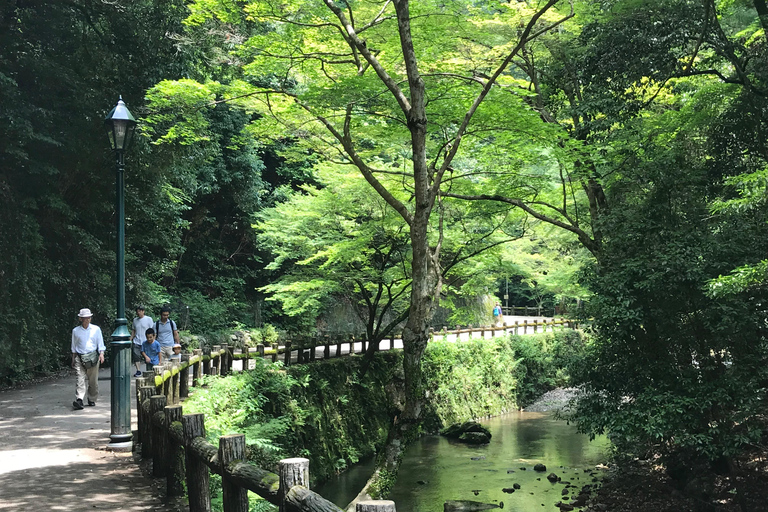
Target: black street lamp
{"type": "Point", "coordinates": [120, 125]}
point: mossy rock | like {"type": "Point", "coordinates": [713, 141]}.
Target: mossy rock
{"type": "Point", "coordinates": [456, 430]}
{"type": "Point", "coordinates": [473, 426]}
{"type": "Point", "coordinates": [475, 438]}
{"type": "Point", "coordinates": [452, 431]}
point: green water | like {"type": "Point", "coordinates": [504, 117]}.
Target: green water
{"type": "Point", "coordinates": [435, 469]}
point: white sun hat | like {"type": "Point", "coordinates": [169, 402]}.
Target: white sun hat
{"type": "Point", "coordinates": [85, 313]}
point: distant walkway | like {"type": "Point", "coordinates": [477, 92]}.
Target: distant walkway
{"type": "Point", "coordinates": [53, 458]}
{"type": "Point", "coordinates": [342, 345]}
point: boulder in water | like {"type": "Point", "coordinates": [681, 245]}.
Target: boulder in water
{"type": "Point", "coordinates": [475, 438]}
{"type": "Point", "coordinates": [456, 430]}
{"type": "Point", "coordinates": [539, 467]}
{"type": "Point", "coordinates": [468, 506]}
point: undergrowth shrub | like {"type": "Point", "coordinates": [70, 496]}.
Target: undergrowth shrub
{"type": "Point", "coordinates": [468, 380]}
{"type": "Point", "coordinates": [322, 411]}
{"type": "Point", "coordinates": [544, 362]}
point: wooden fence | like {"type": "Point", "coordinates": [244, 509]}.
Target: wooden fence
{"type": "Point", "coordinates": [180, 453]}
{"type": "Point", "coordinates": [305, 349]}
{"type": "Point", "coordinates": [517, 328]}
{"type": "Point", "coordinates": [527, 310]}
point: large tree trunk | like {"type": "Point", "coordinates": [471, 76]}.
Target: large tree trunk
{"type": "Point", "coordinates": [425, 291]}
{"type": "Point", "coordinates": [426, 279]}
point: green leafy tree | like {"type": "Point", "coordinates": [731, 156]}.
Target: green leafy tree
{"type": "Point", "coordinates": [338, 241]}
{"type": "Point", "coordinates": [678, 364]}
{"type": "Point", "coordinates": [342, 241]}
{"type": "Point", "coordinates": [418, 87]}
{"type": "Point", "coordinates": [61, 69]}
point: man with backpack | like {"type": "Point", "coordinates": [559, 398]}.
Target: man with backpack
{"type": "Point", "coordinates": [167, 333]}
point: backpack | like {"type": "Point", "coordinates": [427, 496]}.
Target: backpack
{"type": "Point", "coordinates": [157, 326]}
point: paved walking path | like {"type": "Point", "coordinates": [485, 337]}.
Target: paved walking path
{"type": "Point", "coordinates": [53, 458]}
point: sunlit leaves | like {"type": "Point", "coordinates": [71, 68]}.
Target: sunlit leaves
{"type": "Point", "coordinates": [341, 239]}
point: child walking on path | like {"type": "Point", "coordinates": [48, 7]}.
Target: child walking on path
{"type": "Point", "coordinates": [151, 350]}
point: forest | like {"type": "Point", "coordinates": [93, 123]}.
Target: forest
{"type": "Point", "coordinates": [336, 166]}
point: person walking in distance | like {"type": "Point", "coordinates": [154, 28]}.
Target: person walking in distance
{"type": "Point", "coordinates": [87, 354]}
{"type": "Point", "coordinates": [166, 332]}
{"type": "Point", "coordinates": [497, 314]}
{"type": "Point", "coordinates": [140, 325]}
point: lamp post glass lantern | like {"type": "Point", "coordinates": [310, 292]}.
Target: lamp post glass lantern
{"type": "Point", "coordinates": [120, 125]}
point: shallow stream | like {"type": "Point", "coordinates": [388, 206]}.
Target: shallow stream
{"type": "Point", "coordinates": [435, 469]}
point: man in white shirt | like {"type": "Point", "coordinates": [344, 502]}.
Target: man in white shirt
{"type": "Point", "coordinates": [87, 354]}
{"type": "Point", "coordinates": [138, 334]}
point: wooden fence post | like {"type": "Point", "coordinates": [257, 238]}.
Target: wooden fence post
{"type": "Point", "coordinates": [206, 362]}
{"type": "Point", "coordinates": [140, 382]}
{"type": "Point", "coordinates": [314, 342]}
{"type": "Point", "coordinates": [175, 458]}
{"type": "Point", "coordinates": [184, 377]}
{"type": "Point", "coordinates": [145, 392]}
{"type": "Point", "coordinates": [260, 350]}
{"type": "Point", "coordinates": [159, 370]}
{"type": "Point", "coordinates": [292, 472]}
{"type": "Point", "coordinates": [338, 345]}
{"type": "Point", "coordinates": [392, 341]}
{"type": "Point", "coordinates": [275, 347]}
{"type": "Point", "coordinates": [224, 360]}
{"type": "Point", "coordinates": [168, 383]}
{"type": "Point", "coordinates": [197, 472]}
{"type": "Point", "coordinates": [176, 395]}
{"type": "Point", "coordinates": [326, 347]}
{"type": "Point", "coordinates": [159, 457]}
{"type": "Point", "coordinates": [246, 358]}
{"type": "Point", "coordinates": [216, 360]}
{"type": "Point", "coordinates": [375, 506]}
{"type": "Point", "coordinates": [197, 368]}
{"type": "Point", "coordinates": [287, 352]}
{"type": "Point", "coordinates": [299, 351]}
{"type": "Point", "coordinates": [535, 324]}
{"type": "Point", "coordinates": [232, 449]}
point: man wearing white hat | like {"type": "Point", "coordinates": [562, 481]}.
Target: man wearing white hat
{"type": "Point", "coordinates": [87, 353]}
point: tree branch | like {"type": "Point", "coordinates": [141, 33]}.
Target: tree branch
{"type": "Point", "coordinates": [589, 243]}
{"type": "Point", "coordinates": [526, 36]}
{"type": "Point", "coordinates": [360, 45]}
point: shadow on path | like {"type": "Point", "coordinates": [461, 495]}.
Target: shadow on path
{"type": "Point", "coordinates": [53, 458]}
